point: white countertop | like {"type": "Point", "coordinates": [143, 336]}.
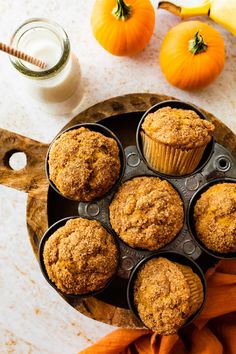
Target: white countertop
{"type": "Point", "coordinates": [33, 318]}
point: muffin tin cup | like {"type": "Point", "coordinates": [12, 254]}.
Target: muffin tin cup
{"type": "Point", "coordinates": [174, 257]}
{"type": "Point", "coordinates": [49, 233]}
{"type": "Point", "coordinates": [97, 128]}
{"type": "Point", "coordinates": [190, 218]}
{"type": "Point", "coordinates": [180, 105]}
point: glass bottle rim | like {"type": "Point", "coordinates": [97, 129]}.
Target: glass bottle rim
{"type": "Point", "coordinates": [57, 30]}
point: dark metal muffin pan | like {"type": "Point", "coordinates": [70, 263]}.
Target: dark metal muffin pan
{"type": "Point", "coordinates": [217, 163]}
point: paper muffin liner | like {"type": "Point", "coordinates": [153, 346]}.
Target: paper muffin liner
{"type": "Point", "coordinates": [196, 288]}
{"type": "Point", "coordinates": [168, 159]}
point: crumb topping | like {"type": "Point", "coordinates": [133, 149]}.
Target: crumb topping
{"type": "Point", "coordinates": [215, 217]}
{"type": "Point", "coordinates": [161, 295]}
{"type": "Point", "coordinates": [179, 128]}
{"type": "Point", "coordinates": [146, 212]}
{"type": "Point", "coordinates": [84, 164]}
{"type": "Point", "coordinates": [80, 256]}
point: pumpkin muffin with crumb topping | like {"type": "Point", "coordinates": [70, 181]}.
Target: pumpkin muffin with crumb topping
{"type": "Point", "coordinates": [84, 164]}
{"type": "Point", "coordinates": [175, 139]}
{"type": "Point", "coordinates": [215, 218]}
{"type": "Point", "coordinates": [80, 257]}
{"type": "Point", "coordinates": [166, 294]}
{"type": "Point", "coordinates": [146, 212]}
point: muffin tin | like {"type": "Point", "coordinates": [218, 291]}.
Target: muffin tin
{"type": "Point", "coordinates": [216, 166]}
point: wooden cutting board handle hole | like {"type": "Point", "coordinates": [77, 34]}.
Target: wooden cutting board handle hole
{"type": "Point", "coordinates": [15, 160]}
{"type": "Point", "coordinates": [22, 162]}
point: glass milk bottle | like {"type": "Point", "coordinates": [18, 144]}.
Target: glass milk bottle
{"type": "Point", "coordinates": [58, 87]}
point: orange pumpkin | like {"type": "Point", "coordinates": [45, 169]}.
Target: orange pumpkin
{"type": "Point", "coordinates": [192, 55]}
{"type": "Point", "coordinates": [123, 27]}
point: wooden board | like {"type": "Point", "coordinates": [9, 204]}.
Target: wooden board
{"type": "Point", "coordinates": [32, 179]}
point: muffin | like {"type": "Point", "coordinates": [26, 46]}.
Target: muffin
{"type": "Point", "coordinates": [174, 140]}
{"type": "Point", "coordinates": [80, 257]}
{"type": "Point", "coordinates": [146, 212]}
{"type": "Point", "coordinates": [166, 294]}
{"type": "Point", "coordinates": [215, 218]}
{"type": "Point", "coordinates": [84, 164]}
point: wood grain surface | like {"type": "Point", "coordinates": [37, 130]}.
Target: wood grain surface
{"type": "Point", "coordinates": [32, 179]}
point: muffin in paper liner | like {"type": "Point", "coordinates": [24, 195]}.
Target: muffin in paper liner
{"type": "Point", "coordinates": [195, 286]}
{"type": "Point", "coordinates": [174, 139]}
{"type": "Point", "coordinates": [170, 160]}
{"type": "Point", "coordinates": [166, 295]}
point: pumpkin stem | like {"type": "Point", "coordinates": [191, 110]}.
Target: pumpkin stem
{"type": "Point", "coordinates": [197, 45]}
{"type": "Point", "coordinates": [122, 11]}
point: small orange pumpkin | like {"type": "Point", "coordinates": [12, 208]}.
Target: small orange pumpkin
{"type": "Point", "coordinates": [123, 27]}
{"type": "Point", "coordinates": [192, 55]}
